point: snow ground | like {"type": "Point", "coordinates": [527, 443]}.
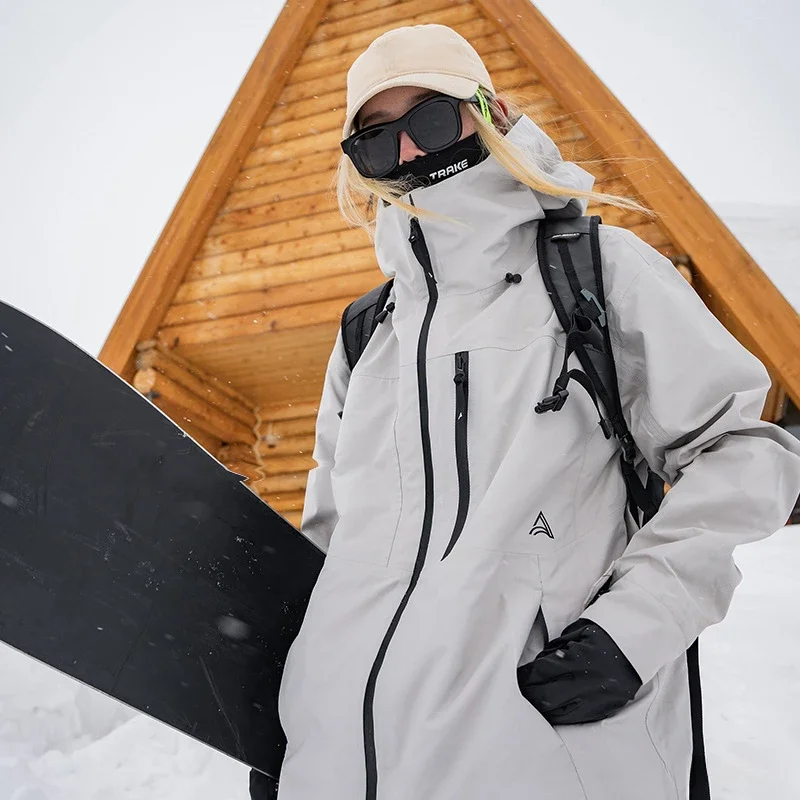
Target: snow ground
{"type": "Point", "coordinates": [62, 741]}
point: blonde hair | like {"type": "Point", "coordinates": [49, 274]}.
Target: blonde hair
{"type": "Point", "coordinates": [357, 195]}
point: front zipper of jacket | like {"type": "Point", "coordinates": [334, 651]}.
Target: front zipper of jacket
{"type": "Point", "coordinates": [461, 380]}
{"type": "Point", "coordinates": [420, 251]}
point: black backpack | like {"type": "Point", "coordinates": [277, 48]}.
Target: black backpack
{"type": "Point", "coordinates": [572, 271]}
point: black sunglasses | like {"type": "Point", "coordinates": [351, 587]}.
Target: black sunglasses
{"type": "Point", "coordinates": [433, 125]}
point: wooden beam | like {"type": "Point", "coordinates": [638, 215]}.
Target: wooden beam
{"type": "Point", "coordinates": [155, 358]}
{"type": "Point", "coordinates": [272, 255]}
{"type": "Point", "coordinates": [268, 299]}
{"type": "Point", "coordinates": [209, 185]}
{"type": "Point", "coordinates": [283, 411]}
{"type": "Point", "coordinates": [301, 426]}
{"type": "Point", "coordinates": [254, 280]}
{"type": "Point", "coordinates": [279, 319]}
{"type": "Point", "coordinates": [287, 501]}
{"type": "Point", "coordinates": [249, 471]}
{"type": "Point", "coordinates": [287, 465]}
{"type": "Point", "coordinates": [281, 483]}
{"type": "Point", "coordinates": [766, 322]}
{"type": "Point", "coordinates": [292, 517]}
{"type": "Point", "coordinates": [390, 16]}
{"type": "Point", "coordinates": [473, 27]}
{"type": "Point", "coordinates": [242, 453]}
{"type": "Point", "coordinates": [155, 385]}
{"type": "Point", "coordinates": [269, 447]}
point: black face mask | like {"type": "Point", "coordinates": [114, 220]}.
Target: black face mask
{"type": "Point", "coordinates": [436, 167]}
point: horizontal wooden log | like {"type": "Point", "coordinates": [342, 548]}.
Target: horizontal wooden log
{"type": "Point", "coordinates": [308, 126]}
{"type": "Point", "coordinates": [303, 426]}
{"type": "Point", "coordinates": [617, 186]}
{"type": "Point", "coordinates": [390, 16]}
{"type": "Point", "coordinates": [189, 366]}
{"type": "Point", "coordinates": [775, 405]}
{"type": "Point", "coordinates": [280, 319]}
{"type": "Point", "coordinates": [206, 440]}
{"type": "Point", "coordinates": [295, 148]}
{"type": "Point", "coordinates": [248, 471]}
{"type": "Point", "coordinates": [271, 213]}
{"type": "Point", "coordinates": [287, 231]}
{"type": "Point", "coordinates": [686, 272]}
{"type": "Point", "coordinates": [265, 194]}
{"type": "Point", "coordinates": [281, 176]}
{"type": "Point", "coordinates": [279, 253]}
{"type": "Point", "coordinates": [302, 109]}
{"type": "Point", "coordinates": [255, 280]}
{"type": "Point", "coordinates": [471, 28]}
{"type": "Point", "coordinates": [209, 392]}
{"type": "Point", "coordinates": [540, 110]}
{"type": "Point", "coordinates": [654, 235]}
{"type": "Point", "coordinates": [287, 465]}
{"type": "Point", "coordinates": [275, 412]}
{"type": "Point", "coordinates": [345, 9]}
{"type": "Point", "coordinates": [270, 446]}
{"type": "Point", "coordinates": [281, 483]}
{"type": "Point", "coordinates": [511, 79]}
{"type": "Point", "coordinates": [268, 299]}
{"type": "Point", "coordinates": [294, 518]}
{"type": "Point", "coordinates": [619, 217]}
{"type": "Point", "coordinates": [287, 501]}
{"type": "Point", "coordinates": [341, 62]}
{"type": "Point", "coordinates": [154, 385]}
{"type": "Point", "coordinates": [238, 453]}
{"type": "Point", "coordinates": [563, 130]}
{"type": "Point", "coordinates": [531, 91]}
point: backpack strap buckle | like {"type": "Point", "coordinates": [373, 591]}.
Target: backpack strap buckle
{"type": "Point", "coordinates": [629, 448]}
{"type": "Point", "coordinates": [555, 402]}
{"type": "Point", "coordinates": [592, 308]}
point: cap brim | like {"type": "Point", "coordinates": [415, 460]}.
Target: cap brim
{"type": "Point", "coordinates": [453, 85]}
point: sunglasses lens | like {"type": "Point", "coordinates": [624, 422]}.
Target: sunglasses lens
{"type": "Point", "coordinates": [435, 126]}
{"type": "Point", "coordinates": [374, 153]}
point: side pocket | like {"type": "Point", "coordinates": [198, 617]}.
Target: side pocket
{"type": "Point", "coordinates": [601, 585]}
{"type": "Point", "coordinates": [537, 639]}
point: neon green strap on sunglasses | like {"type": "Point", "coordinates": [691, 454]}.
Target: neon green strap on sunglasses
{"type": "Point", "coordinates": [484, 106]}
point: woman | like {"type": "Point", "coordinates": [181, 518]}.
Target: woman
{"type": "Point", "coordinates": [445, 573]}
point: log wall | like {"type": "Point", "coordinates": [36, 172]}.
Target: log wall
{"type": "Point", "coordinates": [278, 258]}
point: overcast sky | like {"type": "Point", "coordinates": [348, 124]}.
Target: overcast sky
{"type": "Point", "coordinates": [107, 105]}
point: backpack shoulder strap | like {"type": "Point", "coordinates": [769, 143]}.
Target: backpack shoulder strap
{"type": "Point", "coordinates": [360, 319]}
{"type": "Point", "coordinates": [572, 271]}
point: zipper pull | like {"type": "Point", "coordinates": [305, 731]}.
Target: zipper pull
{"type": "Point", "coordinates": [460, 374]}
{"type": "Point", "coordinates": [416, 232]}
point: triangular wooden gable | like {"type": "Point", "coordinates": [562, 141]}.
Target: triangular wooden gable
{"type": "Point", "coordinates": [236, 310]}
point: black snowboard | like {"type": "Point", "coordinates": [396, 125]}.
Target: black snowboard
{"type": "Point", "coordinates": [135, 562]}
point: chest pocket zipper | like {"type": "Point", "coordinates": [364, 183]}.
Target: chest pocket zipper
{"type": "Point", "coordinates": [461, 380]}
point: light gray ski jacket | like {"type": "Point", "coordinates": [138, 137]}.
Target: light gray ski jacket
{"type": "Point", "coordinates": [402, 682]}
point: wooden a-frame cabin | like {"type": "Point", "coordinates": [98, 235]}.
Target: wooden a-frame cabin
{"type": "Point", "coordinates": [230, 324]}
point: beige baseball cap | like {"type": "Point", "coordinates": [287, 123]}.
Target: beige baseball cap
{"type": "Point", "coordinates": [428, 56]}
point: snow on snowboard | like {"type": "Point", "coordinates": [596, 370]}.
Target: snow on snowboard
{"type": "Point", "coordinates": [132, 560]}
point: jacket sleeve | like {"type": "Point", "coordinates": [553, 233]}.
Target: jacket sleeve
{"type": "Point", "coordinates": [692, 397]}
{"type": "Point", "coordinates": [319, 509]}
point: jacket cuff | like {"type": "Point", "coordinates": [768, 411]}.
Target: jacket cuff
{"type": "Point", "coordinates": [641, 626]}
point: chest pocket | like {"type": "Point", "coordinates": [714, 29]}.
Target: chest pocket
{"type": "Point", "coordinates": [366, 473]}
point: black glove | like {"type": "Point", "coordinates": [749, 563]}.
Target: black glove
{"type": "Point", "coordinates": [262, 787]}
{"type": "Point", "coordinates": [582, 676]}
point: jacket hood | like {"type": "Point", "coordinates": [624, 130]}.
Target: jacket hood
{"type": "Point", "coordinates": [489, 218]}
